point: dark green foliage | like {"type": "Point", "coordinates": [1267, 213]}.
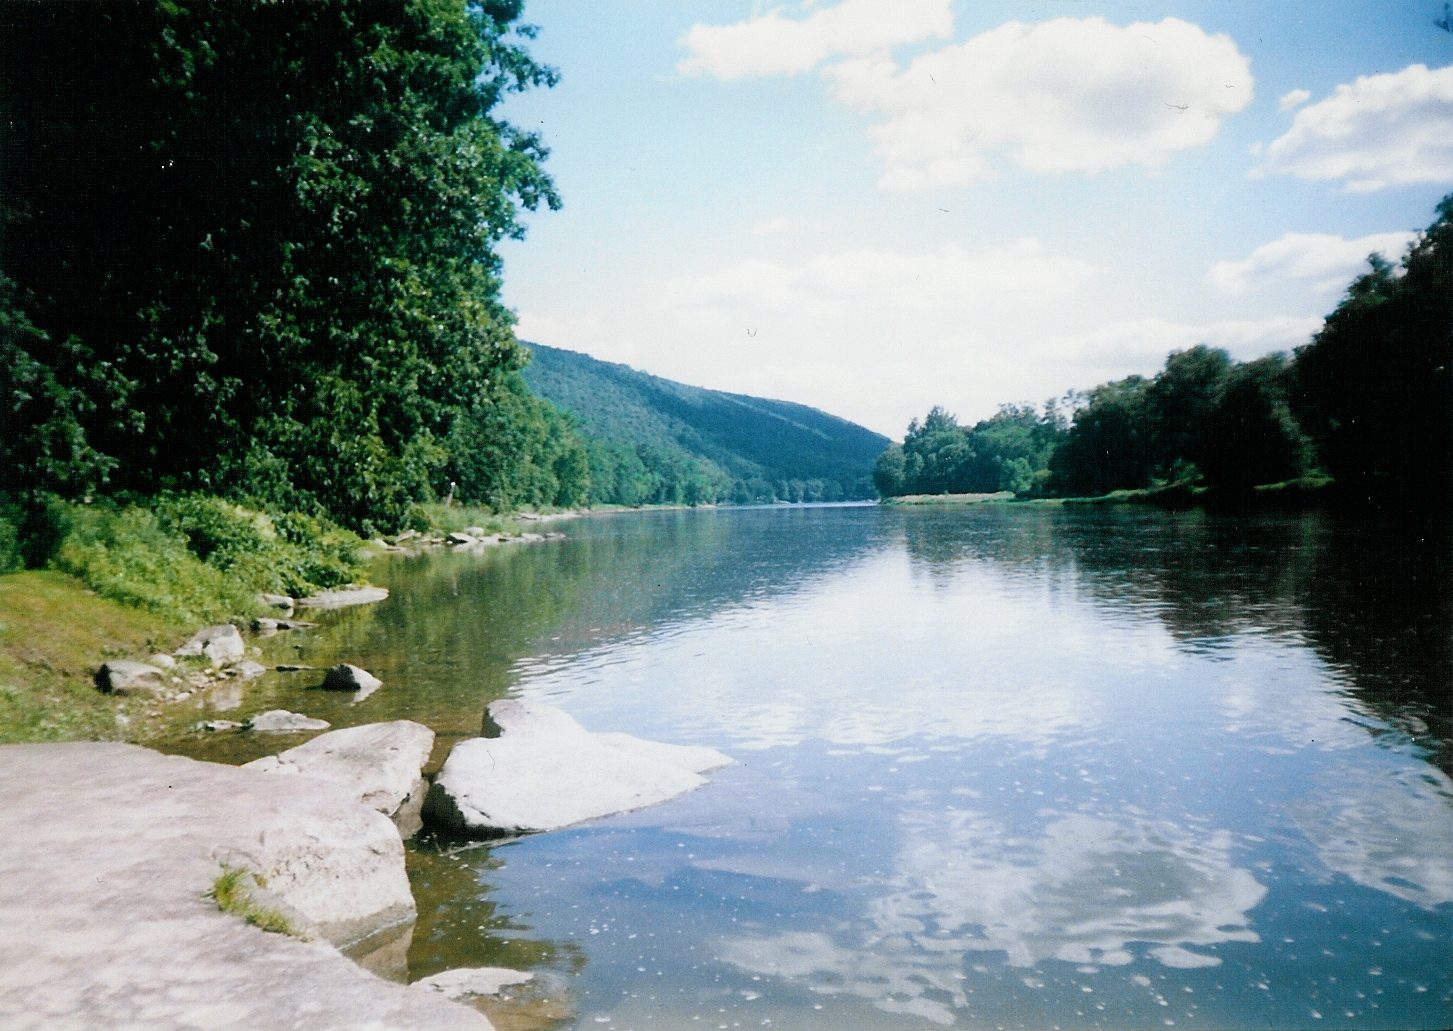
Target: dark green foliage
{"type": "Point", "coordinates": [1250, 435]}
{"type": "Point", "coordinates": [654, 440]}
{"type": "Point", "coordinates": [1108, 445]}
{"type": "Point", "coordinates": [249, 247]}
{"type": "Point", "coordinates": [1009, 451]}
{"type": "Point", "coordinates": [1374, 388]}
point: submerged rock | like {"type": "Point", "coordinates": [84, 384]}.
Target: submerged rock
{"type": "Point", "coordinates": [121, 676]}
{"type": "Point", "coordinates": [464, 981]}
{"type": "Point", "coordinates": [542, 771]}
{"type": "Point", "coordinates": [280, 721]}
{"type": "Point", "coordinates": [344, 677]}
{"type": "Point", "coordinates": [379, 764]}
{"type": "Point", "coordinates": [345, 597]}
{"type": "Point", "coordinates": [221, 644]}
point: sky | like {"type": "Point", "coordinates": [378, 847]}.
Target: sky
{"type": "Point", "coordinates": [878, 206]}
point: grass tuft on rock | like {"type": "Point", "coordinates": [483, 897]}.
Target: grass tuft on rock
{"type": "Point", "coordinates": [232, 891]}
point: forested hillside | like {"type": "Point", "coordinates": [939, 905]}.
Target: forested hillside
{"type": "Point", "coordinates": [652, 439]}
{"type": "Point", "coordinates": [1367, 403]}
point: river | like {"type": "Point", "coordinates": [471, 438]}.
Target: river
{"type": "Point", "coordinates": [997, 766]}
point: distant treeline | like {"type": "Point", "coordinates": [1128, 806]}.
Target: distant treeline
{"type": "Point", "coordinates": [1368, 402]}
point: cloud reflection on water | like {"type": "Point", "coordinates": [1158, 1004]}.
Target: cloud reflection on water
{"type": "Point", "coordinates": [1085, 890]}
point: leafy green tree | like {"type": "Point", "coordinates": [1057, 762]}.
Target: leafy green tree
{"type": "Point", "coordinates": [1108, 446]}
{"type": "Point", "coordinates": [1250, 436]}
{"type": "Point", "coordinates": [274, 228]}
{"type": "Point", "coordinates": [1374, 388]}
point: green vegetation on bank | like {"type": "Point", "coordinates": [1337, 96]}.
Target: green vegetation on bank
{"type": "Point", "coordinates": [1363, 412]}
{"type": "Point", "coordinates": [655, 441]}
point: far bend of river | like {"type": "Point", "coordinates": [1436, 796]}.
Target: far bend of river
{"type": "Point", "coordinates": [997, 767]}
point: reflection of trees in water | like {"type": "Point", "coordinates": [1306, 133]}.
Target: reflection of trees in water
{"type": "Point", "coordinates": [1373, 601]}
{"type": "Point", "coordinates": [447, 640]}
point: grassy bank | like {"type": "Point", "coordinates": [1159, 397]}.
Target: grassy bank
{"type": "Point", "coordinates": [54, 632]}
{"type": "Point", "coordinates": [1304, 492]}
{"type": "Point", "coordinates": [127, 581]}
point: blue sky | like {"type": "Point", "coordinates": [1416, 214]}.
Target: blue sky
{"type": "Point", "coordinates": [876, 206]}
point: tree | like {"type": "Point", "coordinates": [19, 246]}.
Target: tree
{"type": "Point", "coordinates": [274, 226]}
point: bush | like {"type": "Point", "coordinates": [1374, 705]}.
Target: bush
{"type": "Point", "coordinates": [129, 556]}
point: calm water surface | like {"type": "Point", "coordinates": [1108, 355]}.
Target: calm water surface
{"type": "Point", "coordinates": [996, 767]}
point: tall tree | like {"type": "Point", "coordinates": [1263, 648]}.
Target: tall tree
{"type": "Point", "coordinates": [274, 225]}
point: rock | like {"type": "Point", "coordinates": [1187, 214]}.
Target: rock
{"type": "Point", "coordinates": [292, 668]}
{"type": "Point", "coordinates": [218, 725]}
{"type": "Point", "coordinates": [475, 531]}
{"type": "Point", "coordinates": [264, 627]}
{"type": "Point", "coordinates": [162, 661]}
{"type": "Point", "coordinates": [342, 598]}
{"type": "Point", "coordinates": [295, 624]}
{"type": "Point", "coordinates": [465, 981]}
{"type": "Point", "coordinates": [248, 670]}
{"type": "Point", "coordinates": [531, 538]}
{"type": "Point", "coordinates": [280, 721]}
{"type": "Point", "coordinates": [379, 764]}
{"type": "Point", "coordinates": [122, 676]}
{"type": "Point", "coordinates": [277, 601]}
{"type": "Point", "coordinates": [344, 677]}
{"type": "Point", "coordinates": [106, 898]}
{"type": "Point", "coordinates": [544, 771]}
{"type": "Point", "coordinates": [461, 538]}
{"type": "Point", "coordinates": [221, 644]}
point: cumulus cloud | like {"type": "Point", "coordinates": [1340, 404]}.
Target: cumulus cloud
{"type": "Point", "coordinates": [1068, 95]}
{"type": "Point", "coordinates": [774, 44]}
{"type": "Point", "coordinates": [1324, 261]}
{"type": "Point", "coordinates": [1384, 130]}
{"type": "Point", "coordinates": [1140, 345]}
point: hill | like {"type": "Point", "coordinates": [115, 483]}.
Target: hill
{"type": "Point", "coordinates": [653, 440]}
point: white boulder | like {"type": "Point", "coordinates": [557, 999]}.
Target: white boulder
{"type": "Point", "coordinates": [222, 644]}
{"type": "Point", "coordinates": [378, 764]}
{"type": "Point", "coordinates": [280, 721]}
{"type": "Point", "coordinates": [342, 598]}
{"type": "Point", "coordinates": [122, 676]}
{"type": "Point", "coordinates": [344, 677]}
{"type": "Point", "coordinates": [543, 771]}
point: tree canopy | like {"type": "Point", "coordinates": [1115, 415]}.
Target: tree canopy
{"type": "Point", "coordinates": [250, 248]}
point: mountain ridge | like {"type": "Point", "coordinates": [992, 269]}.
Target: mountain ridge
{"type": "Point", "coordinates": [737, 447]}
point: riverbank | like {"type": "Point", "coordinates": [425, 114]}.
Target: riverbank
{"type": "Point", "coordinates": [1306, 492]}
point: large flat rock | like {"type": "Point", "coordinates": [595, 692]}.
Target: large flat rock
{"type": "Point", "coordinates": [107, 852]}
{"type": "Point", "coordinates": [379, 764]}
{"type": "Point", "coordinates": [542, 771]}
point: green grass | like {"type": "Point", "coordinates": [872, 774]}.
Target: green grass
{"type": "Point", "coordinates": [232, 891]}
{"type": "Point", "coordinates": [454, 518]}
{"type": "Point", "coordinates": [54, 633]}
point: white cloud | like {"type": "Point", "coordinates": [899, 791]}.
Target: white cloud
{"type": "Point", "coordinates": [1294, 99]}
{"type": "Point", "coordinates": [1068, 95]}
{"type": "Point", "coordinates": [1378, 131]}
{"type": "Point", "coordinates": [1141, 345]}
{"type": "Point", "coordinates": [773, 44]}
{"type": "Point", "coordinates": [1326, 262]}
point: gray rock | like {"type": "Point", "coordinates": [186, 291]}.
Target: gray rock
{"type": "Point", "coordinates": [461, 538]}
{"type": "Point", "coordinates": [122, 676]}
{"type": "Point", "coordinates": [248, 670]}
{"type": "Point", "coordinates": [280, 721]}
{"type": "Point", "coordinates": [544, 771]}
{"type": "Point", "coordinates": [378, 764]}
{"type": "Point", "coordinates": [264, 626]}
{"type": "Point", "coordinates": [219, 725]}
{"type": "Point", "coordinates": [344, 677]}
{"type": "Point", "coordinates": [277, 601]}
{"type": "Point", "coordinates": [465, 981]}
{"type": "Point", "coordinates": [162, 661]}
{"type": "Point", "coordinates": [221, 644]}
{"type": "Point", "coordinates": [113, 928]}
{"type": "Point", "coordinates": [342, 598]}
